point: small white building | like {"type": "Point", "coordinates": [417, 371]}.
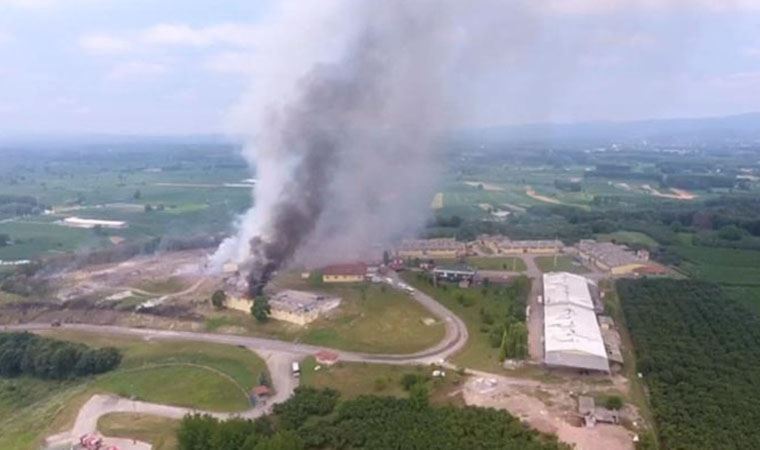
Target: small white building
{"type": "Point", "coordinates": [76, 222]}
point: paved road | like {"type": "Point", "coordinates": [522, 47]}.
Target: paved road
{"type": "Point", "coordinates": [536, 316]}
{"type": "Point", "coordinates": [278, 356]}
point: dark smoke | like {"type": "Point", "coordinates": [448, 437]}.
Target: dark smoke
{"type": "Point", "coordinates": [315, 132]}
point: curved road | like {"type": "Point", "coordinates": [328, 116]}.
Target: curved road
{"type": "Point", "coordinates": [278, 355]}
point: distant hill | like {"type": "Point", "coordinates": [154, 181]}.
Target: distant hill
{"type": "Point", "coordinates": [744, 128]}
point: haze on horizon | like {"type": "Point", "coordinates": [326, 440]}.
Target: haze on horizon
{"type": "Point", "coordinates": [138, 67]}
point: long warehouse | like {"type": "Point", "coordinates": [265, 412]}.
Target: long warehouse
{"type": "Point", "coordinates": [572, 337]}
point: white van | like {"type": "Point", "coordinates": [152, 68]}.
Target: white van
{"type": "Point", "coordinates": [296, 369]}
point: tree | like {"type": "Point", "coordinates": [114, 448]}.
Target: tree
{"type": "Point", "coordinates": [731, 233]}
{"type": "Point", "coordinates": [613, 402]}
{"type": "Point", "coordinates": [386, 257]}
{"type": "Point", "coordinates": [261, 309]}
{"type": "Point", "coordinates": [137, 195]}
{"type": "Point", "coordinates": [282, 440]}
{"type": "Point", "coordinates": [148, 208]}
{"type": "Point", "coordinates": [5, 240]}
{"type": "Point", "coordinates": [218, 299]}
{"type": "Point", "coordinates": [418, 397]}
{"type": "Point", "coordinates": [264, 379]}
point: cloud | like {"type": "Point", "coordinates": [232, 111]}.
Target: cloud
{"type": "Point", "coordinates": [231, 62]}
{"type": "Point", "coordinates": [136, 70]}
{"type": "Point", "coordinates": [228, 34]}
{"type": "Point", "coordinates": [614, 6]}
{"type": "Point", "coordinates": [103, 44]}
{"type": "Point", "coordinates": [39, 4]}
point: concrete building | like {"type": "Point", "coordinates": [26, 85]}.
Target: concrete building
{"type": "Point", "coordinates": [504, 245]}
{"type": "Point", "coordinates": [611, 257]}
{"type": "Point", "coordinates": [431, 248]}
{"type": "Point", "coordinates": [298, 307]}
{"type": "Point", "coordinates": [345, 273]}
{"type": "Point", "coordinates": [572, 337]}
{"type": "Point", "coordinates": [241, 304]}
{"type": "Point", "coordinates": [455, 273]}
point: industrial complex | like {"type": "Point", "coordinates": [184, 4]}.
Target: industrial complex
{"type": "Point", "coordinates": [504, 245]}
{"type": "Point", "coordinates": [431, 248]}
{"type": "Point", "coordinates": [611, 257]}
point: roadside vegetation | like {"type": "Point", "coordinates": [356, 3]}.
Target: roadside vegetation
{"type": "Point", "coordinates": [494, 315]}
{"type": "Point", "coordinates": [160, 432]}
{"type": "Point", "coordinates": [699, 354]}
{"type": "Point", "coordinates": [313, 419]}
{"type": "Point", "coordinates": [355, 379]}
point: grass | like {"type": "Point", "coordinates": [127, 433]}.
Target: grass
{"type": "Point", "coordinates": [165, 286]}
{"type": "Point", "coordinates": [371, 318]}
{"type": "Point", "coordinates": [355, 379]}
{"type": "Point", "coordinates": [177, 384]}
{"type": "Point", "coordinates": [564, 263]}
{"type": "Point", "coordinates": [160, 432]}
{"type": "Point", "coordinates": [721, 265]}
{"type": "Point", "coordinates": [478, 352]}
{"type": "Point", "coordinates": [628, 238]}
{"type": "Point", "coordinates": [509, 263]}
{"type": "Point", "coordinates": [199, 375]}
{"type": "Point", "coordinates": [29, 408]}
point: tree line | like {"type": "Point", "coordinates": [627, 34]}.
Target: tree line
{"type": "Point", "coordinates": [319, 419]}
{"type": "Point", "coordinates": [699, 353]}
{"type": "Point", "coordinates": [26, 354]}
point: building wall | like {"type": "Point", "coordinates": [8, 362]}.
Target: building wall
{"type": "Point", "coordinates": [628, 268]}
{"type": "Point", "coordinates": [296, 318]}
{"type": "Point", "coordinates": [429, 253]}
{"type": "Point", "coordinates": [342, 278]}
{"type": "Point", "coordinates": [239, 304]}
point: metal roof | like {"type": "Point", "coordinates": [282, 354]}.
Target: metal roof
{"type": "Point", "coordinates": [572, 336]}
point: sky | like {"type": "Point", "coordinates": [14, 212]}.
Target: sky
{"type": "Point", "coordinates": [186, 66]}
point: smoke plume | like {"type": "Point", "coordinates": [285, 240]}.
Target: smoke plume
{"type": "Point", "coordinates": [346, 163]}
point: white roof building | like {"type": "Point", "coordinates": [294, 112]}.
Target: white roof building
{"type": "Point", "coordinates": [572, 337]}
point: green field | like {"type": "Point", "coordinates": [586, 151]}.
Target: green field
{"type": "Point", "coordinates": [158, 431]}
{"type": "Point", "coordinates": [355, 379]}
{"type": "Point", "coordinates": [198, 375]}
{"type": "Point", "coordinates": [721, 265]}
{"type": "Point", "coordinates": [509, 263]}
{"type": "Point", "coordinates": [628, 238]}
{"type": "Point", "coordinates": [564, 263]}
{"type": "Point", "coordinates": [371, 318]}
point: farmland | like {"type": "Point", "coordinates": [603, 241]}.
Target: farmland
{"type": "Point", "coordinates": [158, 193]}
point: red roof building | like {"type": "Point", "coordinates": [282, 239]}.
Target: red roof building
{"type": "Point", "coordinates": [261, 391]}
{"type": "Point", "coordinates": [344, 273]}
{"type": "Point", "coordinates": [326, 358]}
